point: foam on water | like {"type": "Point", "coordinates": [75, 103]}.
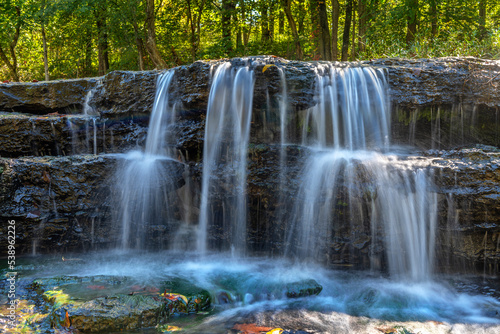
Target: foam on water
{"type": "Point", "coordinates": [350, 293]}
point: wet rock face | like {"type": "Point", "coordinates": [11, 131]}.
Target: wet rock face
{"type": "Point", "coordinates": [59, 194]}
{"type": "Point", "coordinates": [64, 96]}
{"type": "Point", "coordinates": [125, 92]}
{"type": "Point", "coordinates": [61, 203]}
{"type": "Point", "coordinates": [56, 201]}
{"type": "Point", "coordinates": [469, 208]}
{"type": "Point", "coordinates": [64, 135]}
{"type": "Point", "coordinates": [442, 81]}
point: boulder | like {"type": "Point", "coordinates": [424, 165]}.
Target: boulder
{"type": "Point", "coordinates": [115, 303]}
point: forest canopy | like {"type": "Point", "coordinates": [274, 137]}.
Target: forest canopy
{"type": "Point", "coordinates": [51, 39]}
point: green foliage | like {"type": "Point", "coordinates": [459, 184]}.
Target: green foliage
{"type": "Point", "coordinates": [451, 28]}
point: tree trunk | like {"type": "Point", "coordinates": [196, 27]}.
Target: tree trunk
{"type": "Point", "coordinates": [411, 19]}
{"type": "Point", "coordinates": [315, 29]}
{"type": "Point", "coordinates": [140, 46]}
{"type": "Point", "coordinates": [272, 18]}
{"type": "Point", "coordinates": [482, 19]}
{"type": "Point", "coordinates": [44, 42]}
{"type": "Point", "coordinates": [281, 22]}
{"type": "Point", "coordinates": [45, 57]}
{"type": "Point", "coordinates": [302, 15]}
{"type": "Point", "coordinates": [227, 13]}
{"type": "Point", "coordinates": [264, 23]}
{"type": "Point", "coordinates": [192, 26]}
{"type": "Point", "coordinates": [433, 13]}
{"type": "Point", "coordinates": [362, 25]}
{"type": "Point", "coordinates": [151, 47]}
{"type": "Point", "coordinates": [102, 37]}
{"type": "Point", "coordinates": [239, 37]}
{"type": "Point", "coordinates": [245, 30]}
{"type": "Point", "coordinates": [12, 65]}
{"type": "Point", "coordinates": [87, 67]}
{"type": "Point", "coordinates": [325, 47]}
{"type": "Point", "coordinates": [198, 23]}
{"type": "Point", "coordinates": [288, 12]}
{"type": "Point", "coordinates": [335, 28]}
{"type": "Point", "coordinates": [347, 29]}
{"type": "Point", "coordinates": [353, 46]}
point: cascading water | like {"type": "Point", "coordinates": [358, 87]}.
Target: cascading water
{"type": "Point", "coordinates": [352, 186]}
{"type": "Point", "coordinates": [345, 186]}
{"type": "Point", "coordinates": [227, 130]}
{"type": "Point", "coordinates": [145, 183]}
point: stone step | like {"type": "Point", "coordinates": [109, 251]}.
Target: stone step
{"type": "Point", "coordinates": [66, 134]}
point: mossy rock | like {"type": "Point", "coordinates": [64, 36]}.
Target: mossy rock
{"type": "Point", "coordinates": [198, 299]}
{"type": "Point", "coordinates": [115, 303]}
{"type": "Point", "coordinates": [303, 288]}
{"type": "Point", "coordinates": [242, 286]}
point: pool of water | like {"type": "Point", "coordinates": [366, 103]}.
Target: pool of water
{"type": "Point", "coordinates": [356, 299]}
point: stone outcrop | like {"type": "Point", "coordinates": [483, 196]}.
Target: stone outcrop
{"type": "Point", "coordinates": [63, 96]}
{"type": "Point", "coordinates": [59, 193]}
{"type": "Point", "coordinates": [468, 180]}
{"type": "Point", "coordinates": [61, 204]}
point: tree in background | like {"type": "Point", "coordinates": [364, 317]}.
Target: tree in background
{"type": "Point", "coordinates": [11, 22]}
{"type": "Point", "coordinates": [41, 39]}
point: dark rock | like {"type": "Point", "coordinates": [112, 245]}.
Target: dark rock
{"type": "Point", "coordinates": [64, 96]}
{"type": "Point", "coordinates": [469, 206]}
{"type": "Point", "coordinates": [62, 203]}
{"type": "Point", "coordinates": [303, 289]}
{"type": "Point", "coordinates": [442, 81]}
{"type": "Point", "coordinates": [125, 92]}
{"type": "Point", "coordinates": [113, 303]}
{"type": "Point", "coordinates": [438, 104]}
{"type": "Point", "coordinates": [241, 287]}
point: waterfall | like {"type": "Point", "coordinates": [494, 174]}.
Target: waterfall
{"type": "Point", "coordinates": [227, 127]}
{"type": "Point", "coordinates": [346, 181]}
{"type": "Point", "coordinates": [351, 182]}
{"type": "Point", "coordinates": [351, 111]}
{"type": "Point", "coordinates": [144, 181]}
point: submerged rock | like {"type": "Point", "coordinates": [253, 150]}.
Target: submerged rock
{"type": "Point", "coordinates": [114, 303]}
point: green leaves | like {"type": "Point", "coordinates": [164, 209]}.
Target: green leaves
{"type": "Point", "coordinates": [187, 30]}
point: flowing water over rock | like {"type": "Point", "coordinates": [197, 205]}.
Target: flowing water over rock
{"type": "Point", "coordinates": [145, 180]}
{"type": "Point", "coordinates": [266, 158]}
{"type": "Point", "coordinates": [227, 131]}
{"type": "Point", "coordinates": [352, 115]}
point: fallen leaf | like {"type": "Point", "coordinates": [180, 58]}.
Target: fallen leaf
{"type": "Point", "coordinates": [266, 67]}
{"type": "Point", "coordinates": [67, 323]}
{"type": "Point", "coordinates": [46, 176]}
{"type": "Point", "coordinates": [172, 329]}
{"type": "Point", "coordinates": [387, 330]}
{"type": "Point", "coordinates": [251, 328]}
{"type": "Point", "coordinates": [174, 296]}
{"type": "Point", "coordinates": [275, 331]}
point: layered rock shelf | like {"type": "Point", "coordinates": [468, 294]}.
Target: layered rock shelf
{"type": "Point", "coordinates": [59, 139]}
